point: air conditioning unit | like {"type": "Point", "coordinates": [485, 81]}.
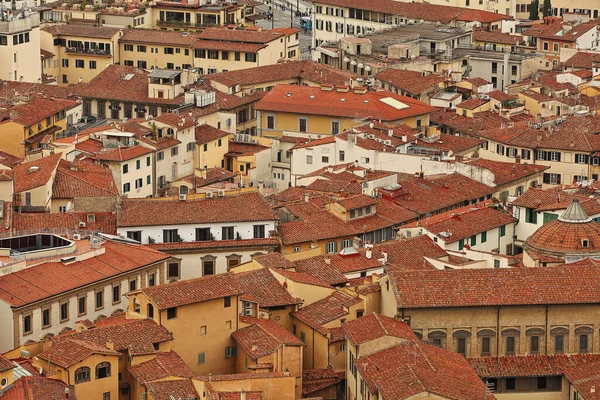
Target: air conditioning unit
{"type": "Point", "coordinates": [82, 224]}
{"type": "Point", "coordinates": [183, 197]}
{"type": "Point", "coordinates": [221, 193]}
{"type": "Point", "coordinates": [209, 195]}
{"type": "Point", "coordinates": [76, 236]}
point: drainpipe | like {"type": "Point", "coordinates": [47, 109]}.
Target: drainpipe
{"type": "Point", "coordinates": [313, 349]}
{"type": "Point", "coordinates": [546, 338]}
{"type": "Point", "coordinates": [497, 331]}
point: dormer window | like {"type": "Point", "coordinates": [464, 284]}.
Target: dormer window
{"type": "Point", "coordinates": [367, 210]}
{"type": "Point", "coordinates": [585, 243]}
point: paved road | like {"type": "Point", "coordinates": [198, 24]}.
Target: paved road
{"type": "Point", "coordinates": [282, 19]}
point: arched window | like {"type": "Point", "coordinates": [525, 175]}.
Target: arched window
{"type": "Point", "coordinates": [82, 375]}
{"type": "Point", "coordinates": [103, 370]}
{"type": "Point", "coordinates": [150, 311]}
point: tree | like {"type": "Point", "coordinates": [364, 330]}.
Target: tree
{"type": "Point", "coordinates": [547, 8]}
{"type": "Point", "coordinates": [534, 12]}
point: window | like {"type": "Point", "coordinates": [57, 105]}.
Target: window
{"type": "Point", "coordinates": [125, 168]}
{"type": "Point", "coordinates": [530, 216]}
{"type": "Point", "coordinates": [227, 233]}
{"type": "Point", "coordinates": [92, 64]}
{"type": "Point", "coordinates": [584, 343]}
{"type": "Point", "coordinates": [331, 247]}
{"type": "Point", "coordinates": [555, 47]}
{"type": "Point", "coordinates": [237, 56]}
{"type": "Point", "coordinates": [132, 284]}
{"type": "Point", "coordinates": [461, 346]}
{"type": "Point", "coordinates": [135, 235]}
{"type": "Point", "coordinates": [64, 311]}
{"type": "Point", "coordinates": [510, 345]}
{"type": "Point", "coordinates": [201, 358]}
{"type": "Point", "coordinates": [342, 156]}
{"type": "Point", "coordinates": [170, 236]}
{"type": "Point", "coordinates": [303, 336]}
{"type": "Point", "coordinates": [139, 183]}
{"type": "Point", "coordinates": [203, 330]}
{"type": "Point", "coordinates": [128, 47]}
{"type": "Point", "coordinates": [581, 158]}
{"type": "Point", "coordinates": [230, 351]}
{"type": "Point", "coordinates": [102, 370]}
{"type": "Point", "coordinates": [233, 260]}
{"type": "Point", "coordinates": [208, 266]}
{"type": "Point", "coordinates": [46, 321]}
{"type": "Point", "coordinates": [81, 305]}
{"type": "Point", "coordinates": [485, 346]}
{"type": "Point", "coordinates": [483, 237]}
{"type": "Point", "coordinates": [140, 48]}
{"type": "Point", "coordinates": [79, 64]}
{"type": "Point", "coordinates": [203, 234]}
{"type": "Point", "coordinates": [250, 57]}
{"type": "Point", "coordinates": [296, 249]}
{"type": "Point", "coordinates": [552, 179]}
{"type": "Point", "coordinates": [172, 313]}
{"type": "Point", "coordinates": [259, 231]}
{"type": "Point", "coordinates": [160, 156]}
{"type": "Point", "coordinates": [99, 299]}
{"type": "Point", "coordinates": [473, 240]}
{"type": "Point", "coordinates": [174, 151]}
{"type": "Point", "coordinates": [227, 301]}
{"type": "Point", "coordinates": [82, 375]}
{"type": "Point", "coordinates": [496, 263]}
{"type": "Point", "coordinates": [461, 244]}
{"type": "Point", "coordinates": [559, 344]}
{"type": "Point", "coordinates": [150, 310]}
{"type": "Point", "coordinates": [309, 159]}
{"type": "Point", "coordinates": [302, 124]}
{"type": "Point", "coordinates": [510, 383]}
{"type": "Point", "coordinates": [173, 270]}
{"type": "Point", "coordinates": [116, 293]}
{"type": "Point", "coordinates": [534, 344]}
{"type": "Point", "coordinates": [270, 122]}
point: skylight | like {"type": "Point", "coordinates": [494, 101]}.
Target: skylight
{"type": "Point", "coordinates": [398, 105]}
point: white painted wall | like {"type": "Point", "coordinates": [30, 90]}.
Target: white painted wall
{"type": "Point", "coordinates": [187, 232]}
{"type": "Point", "coordinates": [191, 264]}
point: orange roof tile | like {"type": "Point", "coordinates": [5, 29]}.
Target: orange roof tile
{"type": "Point", "coordinates": [122, 153]}
{"type": "Point", "coordinates": [262, 285]}
{"type": "Point", "coordinates": [375, 326]}
{"type": "Point", "coordinates": [67, 352]}
{"type": "Point", "coordinates": [192, 291]}
{"type": "Point", "coordinates": [324, 311]}
{"type": "Point", "coordinates": [38, 387]}
{"type": "Point", "coordinates": [206, 133]}
{"type": "Point", "coordinates": [35, 173]}
{"type": "Point", "coordinates": [412, 82]}
{"type": "Point", "coordinates": [105, 222]}
{"type": "Point", "coordinates": [310, 100]}
{"type": "Point", "coordinates": [216, 244]}
{"type": "Point", "coordinates": [531, 365]}
{"type": "Point", "coordinates": [163, 365]}
{"type": "Point", "coordinates": [263, 337]}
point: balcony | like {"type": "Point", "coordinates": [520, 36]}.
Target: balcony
{"type": "Point", "coordinates": [84, 50]}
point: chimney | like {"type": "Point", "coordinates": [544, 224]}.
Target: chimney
{"type": "Point", "coordinates": [327, 260]}
{"type": "Point", "coordinates": [243, 395]}
{"type": "Point", "coordinates": [369, 250]}
{"type": "Point", "coordinates": [404, 138]}
{"type": "Point", "coordinates": [385, 257]}
{"type": "Point", "coordinates": [110, 345]}
{"type": "Point", "coordinates": [517, 159]}
{"type": "Point", "coordinates": [391, 132]}
{"type": "Point", "coordinates": [306, 197]}
{"type": "Point", "coordinates": [204, 173]}
{"type": "Point", "coordinates": [14, 114]}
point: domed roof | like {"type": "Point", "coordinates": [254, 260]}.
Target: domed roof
{"type": "Point", "coordinates": [574, 232]}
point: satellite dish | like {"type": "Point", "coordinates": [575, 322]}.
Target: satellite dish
{"type": "Point", "coordinates": [69, 206]}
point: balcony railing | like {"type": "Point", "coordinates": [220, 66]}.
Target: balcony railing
{"type": "Point", "coordinates": [84, 50]}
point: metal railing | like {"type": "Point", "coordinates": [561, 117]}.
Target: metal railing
{"type": "Point", "coordinates": [88, 51]}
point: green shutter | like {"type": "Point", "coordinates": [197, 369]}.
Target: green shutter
{"type": "Point", "coordinates": [502, 230]}
{"type": "Point", "coordinates": [483, 237]}
{"type": "Point", "coordinates": [234, 352]}
{"type": "Point", "coordinates": [201, 358]}
{"type": "Point", "coordinates": [473, 240]}
{"type": "Point", "coordinates": [549, 217]}
{"type": "Point", "coordinates": [461, 244]}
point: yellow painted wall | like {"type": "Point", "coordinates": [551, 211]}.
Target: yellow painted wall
{"type": "Point", "coordinates": [307, 293]}
{"type": "Point", "coordinates": [155, 55]}
{"type": "Point", "coordinates": [214, 156]}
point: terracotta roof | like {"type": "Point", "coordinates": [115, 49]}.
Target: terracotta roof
{"type": "Point", "coordinates": [324, 311]}
{"type": "Point", "coordinates": [35, 173]}
{"type": "Point", "coordinates": [375, 326]}
{"type": "Point", "coordinates": [156, 36]}
{"type": "Point", "coordinates": [558, 238]}
{"type": "Point", "coordinates": [163, 365]}
{"type": "Point", "coordinates": [134, 336]}
{"type": "Point", "coordinates": [123, 83]}
{"type": "Point", "coordinates": [72, 351]}
{"type": "Point", "coordinates": [244, 149]}
{"type": "Point", "coordinates": [213, 175]}
{"type": "Point", "coordinates": [409, 254]}
{"type": "Point", "coordinates": [8, 159]}
{"type": "Point", "coordinates": [552, 200]}
{"type": "Point", "coordinates": [240, 35]}
{"type": "Point", "coordinates": [472, 103]}
{"type": "Point", "coordinates": [425, 11]}
{"type": "Point", "coordinates": [353, 202]}
{"type": "Point", "coordinates": [496, 37]}
{"type": "Point", "coordinates": [314, 380]}
{"type": "Point", "coordinates": [239, 396]}
{"type": "Point", "coordinates": [476, 81]}
{"type": "Point", "coordinates": [192, 291]}
{"type": "Point", "coordinates": [455, 144]}
{"type": "Point", "coordinates": [501, 96]}
{"type": "Point", "coordinates": [241, 376]}
{"type": "Point", "coordinates": [38, 108]}
{"type": "Point", "coordinates": [296, 70]}
{"type": "Point", "coordinates": [412, 82]}
{"type": "Point", "coordinates": [82, 31]}
{"type": "Point", "coordinates": [531, 365]}
{"type": "Point", "coordinates": [265, 288]}
{"type": "Point", "coordinates": [39, 282]}
{"type": "Point", "coordinates": [176, 388]}
{"type": "Point", "coordinates": [370, 104]}
{"type": "Point", "coordinates": [175, 120]}
{"type": "Point", "coordinates": [38, 387]}
{"type": "Point", "coordinates": [412, 368]}
{"type": "Point", "coordinates": [81, 179]}
{"type": "Point", "coordinates": [105, 222]}
{"type": "Point", "coordinates": [273, 260]}
{"type": "Point", "coordinates": [206, 133]}
{"type": "Point", "coordinates": [263, 337]}
{"type": "Point", "coordinates": [318, 267]}
{"type": "Point", "coordinates": [505, 172]}
{"type": "Point", "coordinates": [238, 208]}
{"type": "Point", "coordinates": [585, 378]}
{"type": "Point", "coordinates": [583, 60]}
{"type": "Point", "coordinates": [557, 32]}
{"type": "Point", "coordinates": [465, 222]}
{"type": "Point", "coordinates": [6, 364]}
{"type": "Point", "coordinates": [312, 143]}
{"type": "Point", "coordinates": [301, 277]}
{"type": "Point", "coordinates": [494, 287]}
{"type": "Point", "coordinates": [121, 154]}
{"type": "Point", "coordinates": [424, 195]}
{"type": "Point", "coordinates": [214, 244]}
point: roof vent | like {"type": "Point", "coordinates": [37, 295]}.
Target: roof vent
{"type": "Point", "coordinates": [33, 169]}
{"type": "Point", "coordinates": [67, 260]}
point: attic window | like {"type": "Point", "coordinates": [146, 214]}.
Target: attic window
{"type": "Point", "coordinates": [585, 243]}
{"type": "Point", "coordinates": [289, 94]}
{"type": "Point", "coordinates": [91, 218]}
